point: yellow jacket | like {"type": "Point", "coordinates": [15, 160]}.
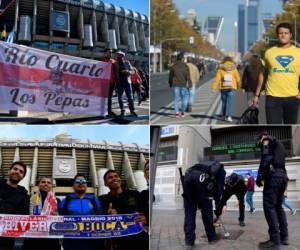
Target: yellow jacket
{"type": "Point", "coordinates": [227, 68]}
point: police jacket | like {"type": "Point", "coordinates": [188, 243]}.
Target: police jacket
{"type": "Point", "coordinates": [212, 174]}
{"type": "Point", "coordinates": [272, 159]}
{"type": "Point", "coordinates": [73, 205]}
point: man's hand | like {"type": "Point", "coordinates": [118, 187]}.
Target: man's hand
{"type": "Point", "coordinates": [111, 210]}
{"type": "Point", "coordinates": [255, 101]}
{"type": "Point", "coordinates": [298, 96]}
{"type": "Point", "coordinates": [259, 183]}
{"type": "Point", "coordinates": [141, 218]}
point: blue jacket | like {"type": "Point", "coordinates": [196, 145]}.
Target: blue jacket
{"type": "Point", "coordinates": [73, 205]}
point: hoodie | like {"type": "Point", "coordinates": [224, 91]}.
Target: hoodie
{"type": "Point", "coordinates": [227, 68]}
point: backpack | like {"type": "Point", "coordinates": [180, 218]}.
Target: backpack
{"type": "Point", "coordinates": [227, 81]}
{"type": "Point", "coordinates": [250, 116]}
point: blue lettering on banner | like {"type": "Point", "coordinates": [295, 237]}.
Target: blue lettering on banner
{"type": "Point", "coordinates": [167, 130]}
{"type": "Point", "coordinates": [92, 226]}
{"type": "Point", "coordinates": [96, 226]}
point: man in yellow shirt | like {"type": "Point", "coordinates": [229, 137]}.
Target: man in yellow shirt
{"type": "Point", "coordinates": [282, 63]}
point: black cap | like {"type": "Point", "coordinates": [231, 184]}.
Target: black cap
{"type": "Point", "coordinates": [233, 179]}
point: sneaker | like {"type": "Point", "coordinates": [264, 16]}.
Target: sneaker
{"type": "Point", "coordinates": [229, 119]}
{"type": "Point", "coordinates": [268, 245]}
{"type": "Point", "coordinates": [284, 242]}
{"type": "Point", "coordinates": [178, 115]}
{"type": "Point", "coordinates": [182, 114]}
{"type": "Point", "coordinates": [213, 242]}
{"type": "Point", "coordinates": [253, 211]}
{"type": "Point", "coordinates": [133, 113]}
{"type": "Point", "coordinates": [111, 114]}
{"type": "Point", "coordinates": [188, 247]}
{"type": "Point", "coordinates": [122, 114]}
{"type": "Point", "coordinates": [242, 224]}
{"type": "Point", "coordinates": [293, 212]}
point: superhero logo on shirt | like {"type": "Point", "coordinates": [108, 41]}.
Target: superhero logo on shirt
{"type": "Point", "coordinates": [284, 60]}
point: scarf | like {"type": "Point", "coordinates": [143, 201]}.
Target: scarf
{"type": "Point", "coordinates": [50, 204]}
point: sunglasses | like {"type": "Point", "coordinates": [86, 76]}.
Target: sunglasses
{"type": "Point", "coordinates": [80, 182]}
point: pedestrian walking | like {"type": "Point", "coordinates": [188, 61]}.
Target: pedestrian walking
{"type": "Point", "coordinates": [250, 77]}
{"type": "Point", "coordinates": [227, 80]}
{"type": "Point", "coordinates": [179, 81]}
{"type": "Point", "coordinates": [286, 203]}
{"type": "Point", "coordinates": [194, 76]}
{"type": "Point", "coordinates": [250, 191]}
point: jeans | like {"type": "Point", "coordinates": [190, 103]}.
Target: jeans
{"type": "Point", "coordinates": [226, 97]}
{"type": "Point", "coordinates": [121, 87]}
{"type": "Point", "coordinates": [282, 110]}
{"type": "Point", "coordinates": [192, 95]}
{"type": "Point", "coordinates": [286, 203]}
{"type": "Point", "coordinates": [249, 199]}
{"type": "Point", "coordinates": [110, 94]}
{"type": "Point", "coordinates": [184, 93]}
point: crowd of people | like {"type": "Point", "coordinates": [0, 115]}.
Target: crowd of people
{"type": "Point", "coordinates": [125, 78]}
{"type": "Point", "coordinates": [275, 75]}
{"type": "Point", "coordinates": [14, 199]}
{"type": "Point", "coordinates": [205, 182]}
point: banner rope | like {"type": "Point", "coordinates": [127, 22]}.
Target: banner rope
{"type": "Point", "coordinates": [5, 9]}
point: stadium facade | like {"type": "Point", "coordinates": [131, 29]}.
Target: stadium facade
{"type": "Point", "coordinates": [63, 158]}
{"type": "Point", "coordinates": [77, 27]}
{"type": "Point", "coordinates": [234, 146]}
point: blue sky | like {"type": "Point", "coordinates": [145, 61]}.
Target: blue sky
{"type": "Point", "coordinates": [141, 6]}
{"type": "Point", "coordinates": [139, 134]}
{"type": "Point", "coordinates": [226, 8]}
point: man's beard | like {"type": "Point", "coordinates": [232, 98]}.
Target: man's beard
{"type": "Point", "coordinates": [80, 191]}
{"type": "Point", "coordinates": [13, 181]}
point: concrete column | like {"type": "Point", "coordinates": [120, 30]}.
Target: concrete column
{"type": "Point", "coordinates": [34, 15]}
{"type": "Point", "coordinates": [93, 170]}
{"type": "Point", "coordinates": [34, 167]}
{"type": "Point", "coordinates": [17, 154]}
{"type": "Point", "coordinates": [0, 159]}
{"type": "Point", "coordinates": [128, 172]}
{"type": "Point", "coordinates": [109, 161]}
{"type": "Point", "coordinates": [142, 162]}
{"type": "Point", "coordinates": [115, 26]}
{"type": "Point", "coordinates": [94, 25]}
{"type": "Point", "coordinates": [75, 161]}
{"type": "Point", "coordinates": [104, 28]}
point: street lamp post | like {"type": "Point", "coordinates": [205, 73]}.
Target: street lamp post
{"type": "Point", "coordinates": [235, 40]}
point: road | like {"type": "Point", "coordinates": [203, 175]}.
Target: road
{"type": "Point", "coordinates": [207, 106]}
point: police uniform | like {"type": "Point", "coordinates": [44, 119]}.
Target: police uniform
{"type": "Point", "coordinates": [239, 190]}
{"type": "Point", "coordinates": [202, 182]}
{"type": "Point", "coordinates": [272, 171]}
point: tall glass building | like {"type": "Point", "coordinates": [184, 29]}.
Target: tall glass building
{"type": "Point", "coordinates": [249, 25]}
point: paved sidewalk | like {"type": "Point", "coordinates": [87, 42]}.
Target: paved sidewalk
{"type": "Point", "coordinates": [167, 231]}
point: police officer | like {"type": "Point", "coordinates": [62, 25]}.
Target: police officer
{"type": "Point", "coordinates": [272, 171]}
{"type": "Point", "coordinates": [202, 183]}
{"type": "Point", "coordinates": [234, 185]}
